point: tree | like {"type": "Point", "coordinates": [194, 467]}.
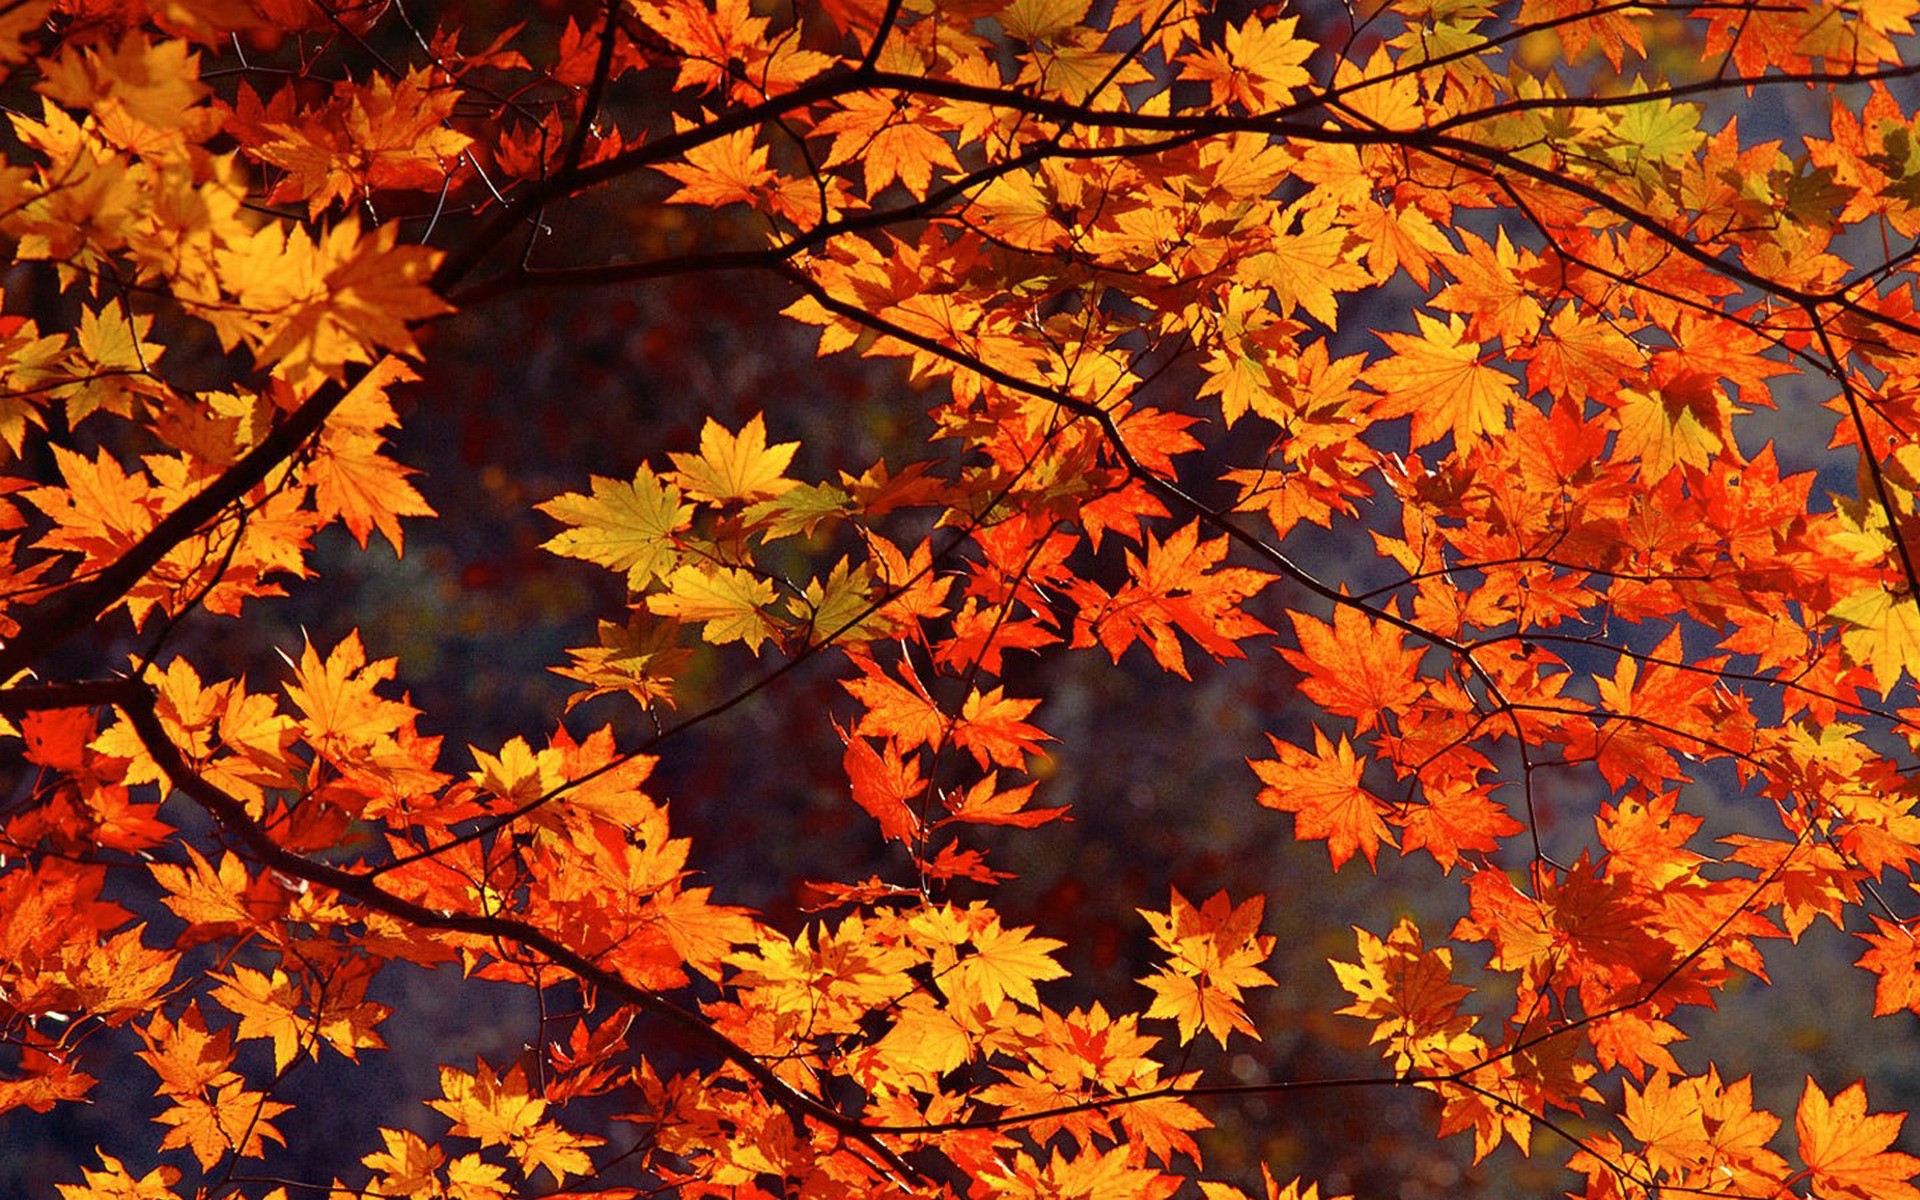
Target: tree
{"type": "Point", "coordinates": [1474, 357]}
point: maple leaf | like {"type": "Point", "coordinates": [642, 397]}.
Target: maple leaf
{"type": "Point", "coordinates": [101, 512]}
{"type": "Point", "coordinates": [1257, 67]}
{"type": "Point", "coordinates": [1091, 1174]}
{"type": "Point", "coordinates": [1005, 964]}
{"type": "Point", "coordinates": [1439, 378]}
{"type": "Point", "coordinates": [134, 88]}
{"type": "Point", "coordinates": [1681, 424]}
{"type": "Point", "coordinates": [49, 1081]}
{"type": "Point", "coordinates": [727, 170]}
{"type": "Point", "coordinates": [1845, 1147]}
{"type": "Point", "coordinates": [342, 714]}
{"type": "Point", "coordinates": [1408, 992]}
{"type": "Point", "coordinates": [990, 727]}
{"type": "Point", "coordinates": [1893, 953]}
{"type": "Point", "coordinates": [639, 659]}
{"type": "Point", "coordinates": [57, 739]}
{"type": "Point", "coordinates": [1321, 788]}
{"type": "Point", "coordinates": [1357, 667]}
{"type": "Point", "coordinates": [1177, 586]}
{"type": "Point", "coordinates": [114, 1182]}
{"type": "Point", "coordinates": [559, 1152]}
{"type": "Point", "coordinates": [731, 602]}
{"type": "Point", "coordinates": [494, 1108]}
{"type": "Point", "coordinates": [406, 1163]}
{"type": "Point", "coordinates": [622, 526]}
{"type": "Point", "coordinates": [351, 476]}
{"type": "Point", "coordinates": [381, 135]}
{"type": "Point", "coordinates": [886, 785]}
{"type": "Point", "coordinates": [186, 1055]}
{"type": "Point", "coordinates": [734, 466]}
{"type": "Point", "coordinates": [1307, 266]}
{"type": "Point", "coordinates": [1494, 291]}
{"type": "Point", "coordinates": [926, 1040]}
{"type": "Point", "coordinates": [1882, 631]}
{"type": "Point", "coordinates": [202, 894]}
{"type": "Point", "coordinates": [901, 711]}
{"type": "Point", "coordinates": [1699, 1131]}
{"type": "Point", "coordinates": [232, 1120]}
{"type": "Point", "coordinates": [1215, 952]}
{"type": "Point", "coordinates": [985, 804]}
{"type": "Point", "coordinates": [1456, 817]}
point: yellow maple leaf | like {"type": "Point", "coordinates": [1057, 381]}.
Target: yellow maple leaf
{"type": "Point", "coordinates": [1309, 264]}
{"type": "Point", "coordinates": [133, 89]}
{"type": "Point", "coordinates": [407, 1164]}
{"type": "Point", "coordinates": [101, 512]}
{"type": "Point", "coordinates": [927, 1039]}
{"type": "Point", "coordinates": [496, 1109]}
{"type": "Point", "coordinates": [1408, 992]}
{"type": "Point", "coordinates": [1005, 964]}
{"type": "Point", "coordinates": [730, 600]}
{"type": "Point", "coordinates": [1683, 424]}
{"type": "Point", "coordinates": [121, 975]}
{"type": "Point", "coordinates": [734, 466]}
{"type": "Point", "coordinates": [1882, 631]}
{"type": "Point", "coordinates": [622, 526]}
{"type": "Point", "coordinates": [343, 715]}
{"type": "Point", "coordinates": [561, 1152]}
{"type": "Point", "coordinates": [1438, 377]}
{"type": "Point", "coordinates": [1257, 68]}
{"type": "Point", "coordinates": [310, 308]}
{"type": "Point", "coordinates": [201, 894]}
{"type": "Point", "coordinates": [473, 1178]}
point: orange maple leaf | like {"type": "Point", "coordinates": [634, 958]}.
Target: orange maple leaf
{"type": "Point", "coordinates": [991, 727]}
{"type": "Point", "coordinates": [114, 1182]}
{"type": "Point", "coordinates": [232, 1120]}
{"type": "Point", "coordinates": [1457, 816]}
{"type": "Point", "coordinates": [381, 135]}
{"type": "Point", "coordinates": [1845, 1148]}
{"type": "Point", "coordinates": [1357, 667]}
{"type": "Point", "coordinates": [886, 785]}
{"type": "Point", "coordinates": [1177, 586]}
{"type": "Point", "coordinates": [889, 143]}
{"type": "Point", "coordinates": [1438, 377]}
{"type": "Point", "coordinates": [904, 713]}
{"type": "Point", "coordinates": [352, 477]}
{"type": "Point", "coordinates": [726, 170]}
{"type": "Point", "coordinates": [1321, 788]}
{"type": "Point", "coordinates": [1893, 954]}
{"type": "Point", "coordinates": [1214, 953]}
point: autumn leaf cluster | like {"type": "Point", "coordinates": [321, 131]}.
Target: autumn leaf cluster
{"type": "Point", "coordinates": [1546, 421]}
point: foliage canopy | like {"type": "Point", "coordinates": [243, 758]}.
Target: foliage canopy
{"type": "Point", "coordinates": [1477, 358]}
